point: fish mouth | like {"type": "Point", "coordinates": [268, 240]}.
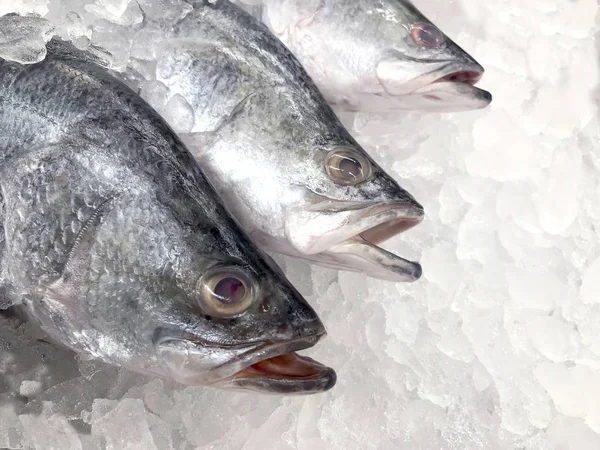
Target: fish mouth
{"type": "Point", "coordinates": [437, 86]}
{"type": "Point", "coordinates": [270, 367]}
{"type": "Point", "coordinates": [356, 231]}
{"type": "Point", "coordinates": [462, 76]}
{"type": "Point", "coordinates": [362, 253]}
{"type": "Point", "coordinates": [452, 88]}
{"type": "Point", "coordinates": [279, 369]}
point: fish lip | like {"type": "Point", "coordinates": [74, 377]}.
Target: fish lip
{"type": "Point", "coordinates": [459, 78]}
{"type": "Point", "coordinates": [233, 374]}
{"type": "Point", "coordinates": [439, 85]}
{"type": "Point", "coordinates": [459, 73]}
{"type": "Point", "coordinates": [386, 213]}
{"type": "Point", "coordinates": [352, 245]}
{"type": "Point", "coordinates": [323, 379]}
{"type": "Point", "coordinates": [377, 262]}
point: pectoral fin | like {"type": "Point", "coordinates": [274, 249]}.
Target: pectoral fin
{"type": "Point", "coordinates": [65, 294]}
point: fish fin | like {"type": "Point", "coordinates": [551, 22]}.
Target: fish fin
{"type": "Point", "coordinates": [200, 143]}
{"type": "Point", "coordinates": [72, 284]}
{"type": "Point", "coordinates": [229, 119]}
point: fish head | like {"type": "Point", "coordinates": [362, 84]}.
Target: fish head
{"type": "Point", "coordinates": [350, 204]}
{"type": "Point", "coordinates": [424, 68]}
{"type": "Point", "coordinates": [240, 329]}
{"type": "Point", "coordinates": [163, 285]}
{"type": "Point", "coordinates": [378, 55]}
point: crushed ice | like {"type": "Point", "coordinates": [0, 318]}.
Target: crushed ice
{"type": "Point", "coordinates": [498, 346]}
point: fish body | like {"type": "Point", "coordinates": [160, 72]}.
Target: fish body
{"type": "Point", "coordinates": [273, 148]}
{"type": "Point", "coordinates": [114, 242]}
{"type": "Point", "coordinates": [377, 55]}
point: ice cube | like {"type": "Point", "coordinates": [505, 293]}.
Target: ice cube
{"type": "Point", "coordinates": [536, 289]}
{"type": "Point", "coordinates": [30, 388]}
{"type": "Point", "coordinates": [568, 433]}
{"type": "Point", "coordinates": [11, 429]}
{"type": "Point", "coordinates": [121, 12]}
{"type": "Point", "coordinates": [114, 7]}
{"type": "Point", "coordinates": [517, 158]}
{"type": "Point", "coordinates": [23, 38]}
{"type": "Point", "coordinates": [165, 10]}
{"type": "Point", "coordinates": [179, 114]}
{"type": "Point", "coordinates": [49, 430]}
{"type": "Point", "coordinates": [590, 286]}
{"type": "Point", "coordinates": [554, 338]}
{"type": "Point", "coordinates": [123, 424]}
{"type": "Point", "coordinates": [39, 7]}
{"type": "Point", "coordinates": [115, 39]}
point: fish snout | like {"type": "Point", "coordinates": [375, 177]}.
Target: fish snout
{"type": "Point", "coordinates": [299, 321]}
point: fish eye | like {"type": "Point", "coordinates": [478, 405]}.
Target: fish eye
{"type": "Point", "coordinates": [347, 167]}
{"type": "Point", "coordinates": [426, 35]}
{"type": "Point", "coordinates": [226, 291]}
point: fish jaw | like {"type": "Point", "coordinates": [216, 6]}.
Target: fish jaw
{"type": "Point", "coordinates": [444, 87]}
{"type": "Point", "coordinates": [268, 368]}
{"type": "Point", "coordinates": [346, 238]}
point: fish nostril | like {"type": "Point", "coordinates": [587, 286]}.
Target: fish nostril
{"type": "Point", "coordinates": [265, 306]}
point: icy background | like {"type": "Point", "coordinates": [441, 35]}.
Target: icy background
{"type": "Point", "coordinates": [496, 347]}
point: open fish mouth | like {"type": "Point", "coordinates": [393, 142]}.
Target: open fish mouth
{"type": "Point", "coordinates": [361, 253]}
{"type": "Point", "coordinates": [345, 236]}
{"type": "Point", "coordinates": [454, 87]}
{"type": "Point", "coordinates": [434, 86]}
{"type": "Point", "coordinates": [462, 76]}
{"type": "Point", "coordinates": [273, 368]}
{"type": "Point", "coordinates": [281, 370]}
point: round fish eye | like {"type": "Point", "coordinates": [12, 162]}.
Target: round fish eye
{"type": "Point", "coordinates": [226, 291]}
{"type": "Point", "coordinates": [426, 35]}
{"type": "Point", "coordinates": [347, 167]}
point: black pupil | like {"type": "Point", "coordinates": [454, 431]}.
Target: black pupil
{"type": "Point", "coordinates": [427, 35]}
{"type": "Point", "coordinates": [350, 168]}
{"type": "Point", "coordinates": [230, 290]}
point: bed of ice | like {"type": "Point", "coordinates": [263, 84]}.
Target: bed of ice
{"type": "Point", "coordinates": [496, 347]}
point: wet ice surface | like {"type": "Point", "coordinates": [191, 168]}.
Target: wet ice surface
{"type": "Point", "coordinates": [23, 39]}
{"type": "Point", "coordinates": [497, 346]}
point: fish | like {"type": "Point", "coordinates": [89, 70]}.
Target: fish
{"type": "Point", "coordinates": [116, 245]}
{"type": "Point", "coordinates": [286, 168]}
{"type": "Point", "coordinates": [377, 55]}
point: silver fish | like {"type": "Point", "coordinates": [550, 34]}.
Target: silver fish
{"type": "Point", "coordinates": [275, 151]}
{"type": "Point", "coordinates": [377, 55]}
{"type": "Point", "coordinates": [117, 246]}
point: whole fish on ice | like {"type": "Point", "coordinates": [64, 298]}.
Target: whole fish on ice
{"type": "Point", "coordinates": [275, 151]}
{"type": "Point", "coordinates": [114, 242]}
{"type": "Point", "coordinates": [377, 55]}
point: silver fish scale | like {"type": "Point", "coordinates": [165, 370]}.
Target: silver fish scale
{"type": "Point", "coordinates": [111, 277]}
{"type": "Point", "coordinates": [230, 56]}
{"type": "Point", "coordinates": [51, 184]}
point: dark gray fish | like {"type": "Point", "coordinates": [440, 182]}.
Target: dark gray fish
{"type": "Point", "coordinates": [275, 151]}
{"type": "Point", "coordinates": [116, 244]}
